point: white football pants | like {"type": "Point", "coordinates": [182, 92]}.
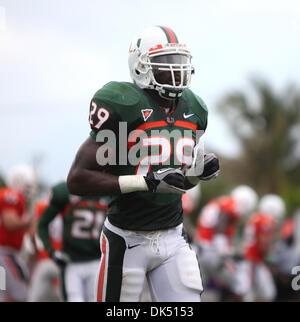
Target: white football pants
{"type": "Point", "coordinates": [261, 282]}
{"type": "Point", "coordinates": [13, 275]}
{"type": "Point", "coordinates": [80, 280]}
{"type": "Point", "coordinates": [45, 282]}
{"type": "Point", "coordinates": [163, 257]}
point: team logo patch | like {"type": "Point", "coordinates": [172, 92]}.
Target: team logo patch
{"type": "Point", "coordinates": [146, 114]}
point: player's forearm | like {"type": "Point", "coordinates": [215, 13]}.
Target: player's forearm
{"type": "Point", "coordinates": [17, 226]}
{"type": "Point", "coordinates": [13, 222]}
{"type": "Point", "coordinates": [86, 182]}
{"type": "Point", "coordinates": [43, 226]}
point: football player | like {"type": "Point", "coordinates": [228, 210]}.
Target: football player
{"type": "Point", "coordinates": [79, 257]}
{"type": "Point", "coordinates": [259, 237]}
{"type": "Point", "coordinates": [216, 226]}
{"type": "Point", "coordinates": [188, 206]}
{"type": "Point", "coordinates": [285, 257]}
{"type": "Point", "coordinates": [142, 236]}
{"type": "Point", "coordinates": [14, 222]}
{"type": "Point", "coordinates": [45, 277]}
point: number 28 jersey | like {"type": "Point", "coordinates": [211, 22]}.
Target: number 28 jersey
{"type": "Point", "coordinates": [158, 139]}
{"type": "Point", "coordinates": [82, 222]}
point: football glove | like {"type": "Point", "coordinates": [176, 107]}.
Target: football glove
{"type": "Point", "coordinates": [166, 180]}
{"type": "Point", "coordinates": [210, 169]}
{"type": "Point", "coordinates": [60, 258]}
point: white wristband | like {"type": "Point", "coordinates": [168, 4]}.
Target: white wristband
{"type": "Point", "coordinates": [132, 183]}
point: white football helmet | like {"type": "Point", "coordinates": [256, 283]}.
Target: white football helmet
{"type": "Point", "coordinates": [273, 205]}
{"type": "Point", "coordinates": [23, 179]}
{"type": "Point", "coordinates": [246, 199]}
{"type": "Point", "coordinates": [155, 51]}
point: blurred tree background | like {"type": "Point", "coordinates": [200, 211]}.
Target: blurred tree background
{"type": "Point", "coordinates": [267, 126]}
{"type": "Point", "coordinates": [2, 182]}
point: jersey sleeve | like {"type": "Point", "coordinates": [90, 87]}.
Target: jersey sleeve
{"type": "Point", "coordinates": [60, 196]}
{"type": "Point", "coordinates": [112, 104]}
{"type": "Point", "coordinates": [207, 222]}
{"type": "Point", "coordinates": [58, 201]}
{"type": "Point", "coordinates": [102, 116]}
{"type": "Point", "coordinates": [43, 226]}
{"type": "Point", "coordinates": [202, 114]}
{"type": "Point", "coordinates": [198, 107]}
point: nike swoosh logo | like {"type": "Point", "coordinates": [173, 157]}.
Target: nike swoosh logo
{"type": "Point", "coordinates": [129, 247]}
{"type": "Point", "coordinates": [187, 115]}
{"type": "Point", "coordinates": [162, 170]}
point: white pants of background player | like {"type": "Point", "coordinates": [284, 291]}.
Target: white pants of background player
{"type": "Point", "coordinates": [256, 281]}
{"type": "Point", "coordinates": [45, 282]}
{"type": "Point", "coordinates": [80, 279]}
{"type": "Point", "coordinates": [210, 261]}
{"type": "Point", "coordinates": [15, 276]}
{"type": "Point", "coordinates": [251, 281]}
{"type": "Point", "coordinates": [163, 257]}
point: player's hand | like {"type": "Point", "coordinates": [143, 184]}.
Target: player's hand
{"type": "Point", "coordinates": [211, 167]}
{"type": "Point", "coordinates": [60, 258]}
{"type": "Point", "coordinates": [166, 180]}
{"type": "Point", "coordinates": [203, 168]}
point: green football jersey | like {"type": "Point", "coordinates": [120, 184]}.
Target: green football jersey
{"type": "Point", "coordinates": [83, 218]}
{"type": "Point", "coordinates": [155, 138]}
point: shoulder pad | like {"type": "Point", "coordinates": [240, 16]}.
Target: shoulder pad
{"type": "Point", "coordinates": [196, 104]}
{"type": "Point", "coordinates": [120, 94]}
{"type": "Point", "coordinates": [10, 196]}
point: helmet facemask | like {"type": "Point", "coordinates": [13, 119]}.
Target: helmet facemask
{"type": "Point", "coordinates": [169, 71]}
{"type": "Point", "coordinates": [171, 74]}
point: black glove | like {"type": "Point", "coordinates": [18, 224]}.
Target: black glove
{"type": "Point", "coordinates": [60, 258]}
{"type": "Point", "coordinates": [166, 180]}
{"type": "Point", "coordinates": [211, 167]}
{"type": "Point", "coordinates": [211, 170]}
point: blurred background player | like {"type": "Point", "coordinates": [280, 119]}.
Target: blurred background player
{"type": "Point", "coordinates": [80, 254]}
{"type": "Point", "coordinates": [14, 221]}
{"type": "Point", "coordinates": [259, 238]}
{"type": "Point", "coordinates": [190, 201]}
{"type": "Point", "coordinates": [216, 226]}
{"type": "Point", "coordinates": [284, 257]}
{"type": "Point", "coordinates": [45, 276]}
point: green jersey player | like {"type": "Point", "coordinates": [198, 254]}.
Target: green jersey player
{"type": "Point", "coordinates": [79, 257]}
{"type": "Point", "coordinates": [144, 150]}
